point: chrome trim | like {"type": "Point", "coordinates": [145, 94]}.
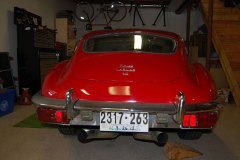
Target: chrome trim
{"type": "Point", "coordinates": [100, 105]}
{"type": "Point", "coordinates": [181, 109]}
{"type": "Point", "coordinates": [125, 66]}
{"type": "Point", "coordinates": [73, 106]}
{"type": "Point", "coordinates": [40, 100]}
{"type": "Point", "coordinates": [125, 106]}
{"type": "Point", "coordinates": [152, 136]}
{"type": "Point", "coordinates": [48, 102]}
{"type": "Point", "coordinates": [126, 70]}
{"type": "Point", "coordinates": [71, 99]}
{"type": "Point", "coordinates": [96, 121]}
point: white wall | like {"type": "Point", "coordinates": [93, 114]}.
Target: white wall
{"type": "Point", "coordinates": [47, 9]}
{"type": "Point", "coordinates": [174, 23]}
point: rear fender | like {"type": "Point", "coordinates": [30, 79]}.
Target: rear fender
{"type": "Point", "coordinates": [55, 73]}
{"type": "Point", "coordinates": [204, 78]}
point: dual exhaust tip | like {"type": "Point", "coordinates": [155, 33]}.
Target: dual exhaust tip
{"type": "Point", "coordinates": [86, 134]}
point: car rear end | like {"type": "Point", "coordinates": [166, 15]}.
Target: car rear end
{"type": "Point", "coordinates": [130, 81]}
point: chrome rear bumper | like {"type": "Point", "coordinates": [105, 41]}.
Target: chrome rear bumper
{"type": "Point", "coordinates": [174, 112]}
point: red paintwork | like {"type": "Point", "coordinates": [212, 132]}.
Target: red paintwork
{"type": "Point", "coordinates": [149, 67]}
{"type": "Point", "coordinates": [158, 78]}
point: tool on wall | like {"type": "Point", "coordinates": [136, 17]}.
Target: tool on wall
{"type": "Point", "coordinates": [135, 10]}
{"type": "Point", "coordinates": [161, 10]}
{"type": "Point", "coordinates": [21, 16]}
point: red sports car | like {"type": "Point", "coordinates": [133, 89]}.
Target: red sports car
{"type": "Point", "coordinates": [129, 80]}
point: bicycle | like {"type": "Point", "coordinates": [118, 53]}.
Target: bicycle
{"type": "Point", "coordinates": [84, 12]}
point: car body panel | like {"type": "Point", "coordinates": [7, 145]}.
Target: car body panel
{"type": "Point", "coordinates": [195, 81]}
{"type": "Point", "coordinates": [128, 66]}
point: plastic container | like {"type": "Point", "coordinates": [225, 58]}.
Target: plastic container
{"type": "Point", "coordinates": [6, 101]}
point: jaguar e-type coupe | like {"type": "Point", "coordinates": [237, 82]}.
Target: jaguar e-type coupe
{"type": "Point", "coordinates": [129, 80]}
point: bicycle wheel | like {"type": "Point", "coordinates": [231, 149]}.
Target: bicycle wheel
{"type": "Point", "coordinates": [117, 11]}
{"type": "Point", "coordinates": [84, 11]}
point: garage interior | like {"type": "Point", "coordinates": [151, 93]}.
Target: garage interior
{"type": "Point", "coordinates": [187, 18]}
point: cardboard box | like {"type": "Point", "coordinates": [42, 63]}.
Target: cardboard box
{"type": "Point", "coordinates": [193, 53]}
{"type": "Point", "coordinates": [175, 151]}
{"type": "Point", "coordinates": [202, 61]}
{"type": "Point", "coordinates": [224, 93]}
{"type": "Point", "coordinates": [219, 77]}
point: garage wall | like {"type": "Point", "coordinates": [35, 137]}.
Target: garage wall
{"type": "Point", "coordinates": [47, 9]}
{"type": "Point", "coordinates": [174, 23]}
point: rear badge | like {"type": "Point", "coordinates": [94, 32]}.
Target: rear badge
{"type": "Point", "coordinates": [126, 69]}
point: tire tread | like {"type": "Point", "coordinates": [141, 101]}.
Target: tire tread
{"type": "Point", "coordinates": [67, 130]}
{"type": "Point", "coordinates": [189, 135]}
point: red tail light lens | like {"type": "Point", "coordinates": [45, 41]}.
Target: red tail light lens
{"type": "Point", "coordinates": [58, 116]}
{"type": "Point", "coordinates": [207, 120]}
{"type": "Point", "coordinates": [200, 120]}
{"type": "Point", "coordinates": [193, 120]}
{"type": "Point", "coordinates": [186, 120]}
{"type": "Point", "coordinates": [48, 115]}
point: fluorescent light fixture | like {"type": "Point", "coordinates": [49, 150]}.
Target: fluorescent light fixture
{"type": "Point", "coordinates": [137, 42]}
{"type": "Point", "coordinates": [82, 17]}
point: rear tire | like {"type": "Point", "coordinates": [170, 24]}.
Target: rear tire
{"type": "Point", "coordinates": [189, 135]}
{"type": "Point", "coordinates": [67, 130]}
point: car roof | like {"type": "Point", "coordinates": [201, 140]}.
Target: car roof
{"type": "Point", "coordinates": [142, 31]}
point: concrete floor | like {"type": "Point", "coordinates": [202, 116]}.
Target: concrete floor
{"type": "Point", "coordinates": [49, 144]}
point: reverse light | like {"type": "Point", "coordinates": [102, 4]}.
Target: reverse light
{"type": "Point", "coordinates": [200, 120]}
{"type": "Point", "coordinates": [48, 115]}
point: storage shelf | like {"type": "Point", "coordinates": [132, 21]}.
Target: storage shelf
{"type": "Point", "coordinates": [66, 33]}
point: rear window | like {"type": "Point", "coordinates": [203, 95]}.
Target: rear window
{"type": "Point", "coordinates": [130, 42]}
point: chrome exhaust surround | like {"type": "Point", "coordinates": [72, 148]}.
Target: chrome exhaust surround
{"type": "Point", "coordinates": [156, 136]}
{"type": "Point", "coordinates": [85, 134]}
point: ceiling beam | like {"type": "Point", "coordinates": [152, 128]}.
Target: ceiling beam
{"type": "Point", "coordinates": [183, 6]}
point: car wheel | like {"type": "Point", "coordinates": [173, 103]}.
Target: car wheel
{"type": "Point", "coordinates": [67, 130]}
{"type": "Point", "coordinates": [189, 135]}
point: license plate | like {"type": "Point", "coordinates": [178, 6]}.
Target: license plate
{"type": "Point", "coordinates": [124, 121]}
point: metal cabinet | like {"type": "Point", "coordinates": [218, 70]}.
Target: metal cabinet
{"type": "Point", "coordinates": [36, 54]}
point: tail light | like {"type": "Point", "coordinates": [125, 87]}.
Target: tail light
{"type": "Point", "coordinates": [200, 120]}
{"type": "Point", "coordinates": [48, 115]}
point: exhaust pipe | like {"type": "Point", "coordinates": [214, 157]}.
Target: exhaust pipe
{"type": "Point", "coordinates": [84, 134]}
{"type": "Point", "coordinates": [159, 137]}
